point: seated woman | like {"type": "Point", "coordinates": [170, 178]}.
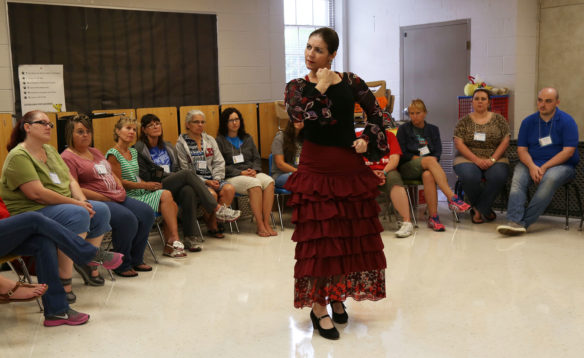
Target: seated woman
{"type": "Point", "coordinates": [35, 178]}
{"type": "Point", "coordinates": [131, 219]}
{"type": "Point", "coordinates": [243, 166]}
{"type": "Point", "coordinates": [158, 162]}
{"type": "Point", "coordinates": [198, 152]}
{"type": "Point", "coordinates": [481, 138]}
{"type": "Point", "coordinates": [124, 163]}
{"type": "Point", "coordinates": [421, 147]}
{"type": "Point", "coordinates": [286, 148]}
{"type": "Point", "coordinates": [33, 234]}
{"type": "Point", "coordinates": [391, 183]}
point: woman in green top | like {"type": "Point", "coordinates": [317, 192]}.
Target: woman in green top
{"type": "Point", "coordinates": [124, 162]}
{"type": "Point", "coordinates": [35, 178]}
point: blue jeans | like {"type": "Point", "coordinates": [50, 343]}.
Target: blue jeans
{"type": "Point", "coordinates": [131, 221]}
{"type": "Point", "coordinates": [76, 218]}
{"type": "Point", "coordinates": [33, 234]}
{"type": "Point", "coordinates": [281, 180]}
{"type": "Point", "coordinates": [553, 178]}
{"type": "Point", "coordinates": [482, 195]}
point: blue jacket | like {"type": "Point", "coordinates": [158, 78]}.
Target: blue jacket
{"type": "Point", "coordinates": [408, 141]}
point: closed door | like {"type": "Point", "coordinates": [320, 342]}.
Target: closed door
{"type": "Point", "coordinates": [435, 64]}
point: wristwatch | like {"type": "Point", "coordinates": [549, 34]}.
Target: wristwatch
{"type": "Point", "coordinates": [493, 159]}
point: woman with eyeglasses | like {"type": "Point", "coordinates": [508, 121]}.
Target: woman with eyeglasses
{"type": "Point", "coordinates": [243, 166]}
{"type": "Point", "coordinates": [198, 152]}
{"type": "Point", "coordinates": [35, 178]}
{"type": "Point", "coordinates": [158, 162]}
{"type": "Point", "coordinates": [131, 219]}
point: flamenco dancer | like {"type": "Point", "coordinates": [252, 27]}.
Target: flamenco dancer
{"type": "Point", "coordinates": [339, 252]}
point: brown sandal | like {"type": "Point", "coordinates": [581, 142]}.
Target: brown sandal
{"type": "Point", "coordinates": [6, 297]}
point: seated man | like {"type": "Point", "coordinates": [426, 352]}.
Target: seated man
{"type": "Point", "coordinates": [546, 146]}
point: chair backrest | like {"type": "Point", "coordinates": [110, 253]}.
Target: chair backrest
{"type": "Point", "coordinates": [270, 159]}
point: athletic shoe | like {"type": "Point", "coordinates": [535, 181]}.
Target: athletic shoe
{"type": "Point", "coordinates": [405, 230]}
{"type": "Point", "coordinates": [109, 260]}
{"type": "Point", "coordinates": [227, 214]}
{"type": "Point", "coordinates": [511, 229]}
{"type": "Point", "coordinates": [193, 244]}
{"type": "Point", "coordinates": [435, 224]}
{"type": "Point", "coordinates": [71, 318]}
{"type": "Point", "coordinates": [455, 204]}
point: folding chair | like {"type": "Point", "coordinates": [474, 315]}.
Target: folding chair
{"type": "Point", "coordinates": [277, 191]}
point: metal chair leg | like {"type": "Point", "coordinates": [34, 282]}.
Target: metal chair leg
{"type": "Point", "coordinates": [280, 211]}
{"type": "Point", "coordinates": [152, 251]}
{"type": "Point", "coordinates": [411, 207]}
{"type": "Point", "coordinates": [567, 200]}
{"type": "Point", "coordinates": [200, 231]}
{"type": "Point", "coordinates": [161, 234]}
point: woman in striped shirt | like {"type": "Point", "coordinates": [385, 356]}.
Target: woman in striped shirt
{"type": "Point", "coordinates": [124, 162]}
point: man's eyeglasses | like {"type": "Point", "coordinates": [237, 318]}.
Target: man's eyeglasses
{"type": "Point", "coordinates": [44, 123]}
{"type": "Point", "coordinates": [233, 120]}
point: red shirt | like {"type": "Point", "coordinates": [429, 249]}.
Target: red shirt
{"type": "Point", "coordinates": [394, 148]}
{"type": "Point", "coordinates": [3, 211]}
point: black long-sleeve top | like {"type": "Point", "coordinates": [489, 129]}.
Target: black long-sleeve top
{"type": "Point", "coordinates": [329, 117]}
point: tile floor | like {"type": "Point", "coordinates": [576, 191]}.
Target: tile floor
{"type": "Point", "coordinates": [466, 292]}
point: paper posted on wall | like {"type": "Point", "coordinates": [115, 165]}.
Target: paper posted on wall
{"type": "Point", "coordinates": [41, 88]}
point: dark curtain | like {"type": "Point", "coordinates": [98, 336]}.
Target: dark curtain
{"type": "Point", "coordinates": [119, 58]}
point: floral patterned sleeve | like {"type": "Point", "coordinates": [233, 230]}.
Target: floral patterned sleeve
{"type": "Point", "coordinates": [373, 132]}
{"type": "Point", "coordinates": [307, 104]}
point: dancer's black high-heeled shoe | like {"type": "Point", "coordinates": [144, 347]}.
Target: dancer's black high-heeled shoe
{"type": "Point", "coordinates": [331, 333]}
{"type": "Point", "coordinates": [340, 318]}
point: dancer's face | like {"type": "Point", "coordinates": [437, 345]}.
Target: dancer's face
{"type": "Point", "coordinates": [316, 54]}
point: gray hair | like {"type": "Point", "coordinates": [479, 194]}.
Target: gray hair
{"type": "Point", "coordinates": [192, 113]}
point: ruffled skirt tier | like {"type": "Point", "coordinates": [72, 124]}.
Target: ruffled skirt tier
{"type": "Point", "coordinates": [339, 252]}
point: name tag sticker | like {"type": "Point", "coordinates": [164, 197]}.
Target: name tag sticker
{"type": "Point", "coordinates": [545, 141]}
{"type": "Point", "coordinates": [100, 169]}
{"type": "Point", "coordinates": [55, 178]}
{"type": "Point", "coordinates": [201, 164]}
{"type": "Point", "coordinates": [480, 137]}
{"type": "Point", "coordinates": [166, 168]}
{"type": "Point", "coordinates": [424, 150]}
{"type": "Point", "coordinates": [238, 159]}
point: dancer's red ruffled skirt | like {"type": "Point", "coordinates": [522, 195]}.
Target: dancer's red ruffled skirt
{"type": "Point", "coordinates": [339, 252]}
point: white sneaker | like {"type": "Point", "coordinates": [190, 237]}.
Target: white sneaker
{"type": "Point", "coordinates": [511, 229]}
{"type": "Point", "coordinates": [227, 214]}
{"type": "Point", "coordinates": [405, 230]}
